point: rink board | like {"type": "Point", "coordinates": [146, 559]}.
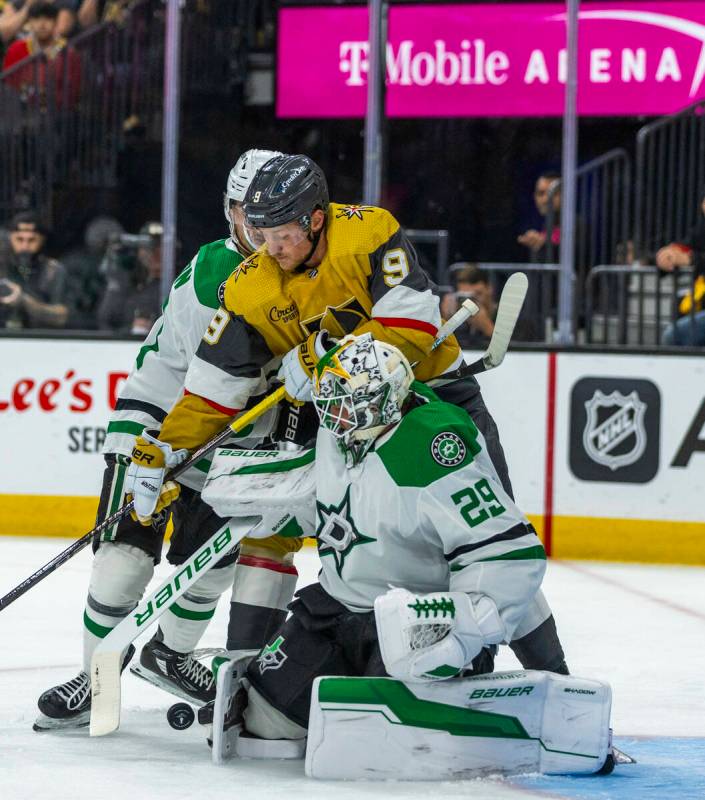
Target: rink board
{"type": "Point", "coordinates": [606, 452]}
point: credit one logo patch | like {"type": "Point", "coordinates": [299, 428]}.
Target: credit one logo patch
{"type": "Point", "coordinates": [615, 430]}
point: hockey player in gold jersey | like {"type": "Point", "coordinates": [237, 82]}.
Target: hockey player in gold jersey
{"type": "Point", "coordinates": [325, 270]}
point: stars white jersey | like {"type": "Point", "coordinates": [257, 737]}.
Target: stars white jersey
{"type": "Point", "coordinates": [156, 381]}
{"type": "Point", "coordinates": [424, 510]}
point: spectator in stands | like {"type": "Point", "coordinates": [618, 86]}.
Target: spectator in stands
{"type": "Point", "coordinates": [92, 12]}
{"type": "Point", "coordinates": [15, 13]}
{"type": "Point", "coordinates": [686, 254]}
{"type": "Point", "coordinates": [132, 299]}
{"type": "Point", "coordinates": [51, 72]}
{"type": "Point", "coordinates": [86, 271]}
{"type": "Point", "coordinates": [474, 283]}
{"type": "Point", "coordinates": [533, 239]}
{"type": "Point", "coordinates": [32, 286]}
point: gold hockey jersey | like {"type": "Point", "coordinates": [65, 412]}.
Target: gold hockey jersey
{"type": "Point", "coordinates": [369, 280]}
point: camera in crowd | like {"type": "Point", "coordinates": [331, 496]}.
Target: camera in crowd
{"type": "Point", "coordinates": [149, 237]}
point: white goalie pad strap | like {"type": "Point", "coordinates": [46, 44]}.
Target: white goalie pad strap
{"type": "Point", "coordinates": [508, 723]}
{"type": "Point", "coordinates": [260, 482]}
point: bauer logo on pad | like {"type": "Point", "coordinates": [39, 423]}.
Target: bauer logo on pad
{"type": "Point", "coordinates": [614, 430]}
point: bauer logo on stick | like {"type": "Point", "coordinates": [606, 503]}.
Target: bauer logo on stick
{"type": "Point", "coordinates": [447, 449]}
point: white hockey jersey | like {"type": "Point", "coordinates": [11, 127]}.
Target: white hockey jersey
{"type": "Point", "coordinates": [156, 381]}
{"type": "Point", "coordinates": [424, 510]}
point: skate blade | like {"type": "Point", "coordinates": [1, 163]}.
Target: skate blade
{"type": "Point", "coordinates": [622, 758]}
{"type": "Point", "coordinates": [44, 723]}
{"type": "Point", "coordinates": [147, 675]}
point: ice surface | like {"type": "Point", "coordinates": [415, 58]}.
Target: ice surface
{"type": "Point", "coordinates": [640, 627]}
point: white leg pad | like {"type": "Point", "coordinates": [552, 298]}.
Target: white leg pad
{"type": "Point", "coordinates": [187, 618]}
{"type": "Point", "coordinates": [119, 576]}
{"type": "Point", "coordinates": [507, 722]}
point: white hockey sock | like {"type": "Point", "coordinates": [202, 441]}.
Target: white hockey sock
{"type": "Point", "coordinates": [187, 618]}
{"type": "Point", "coordinates": [119, 577]}
{"type": "Point", "coordinates": [262, 589]}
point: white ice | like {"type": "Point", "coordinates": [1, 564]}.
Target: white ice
{"type": "Point", "coordinates": [640, 627]}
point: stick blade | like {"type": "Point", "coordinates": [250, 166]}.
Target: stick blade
{"type": "Point", "coordinates": [105, 692]}
{"type": "Point", "coordinates": [510, 304]}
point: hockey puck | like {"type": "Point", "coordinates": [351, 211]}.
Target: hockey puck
{"type": "Point", "coordinates": [180, 716]}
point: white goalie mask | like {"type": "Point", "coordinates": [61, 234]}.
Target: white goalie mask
{"type": "Point", "coordinates": [359, 389]}
{"type": "Point", "coordinates": [239, 179]}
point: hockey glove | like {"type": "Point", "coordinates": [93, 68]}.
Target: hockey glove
{"type": "Point", "coordinates": [433, 636]}
{"type": "Point", "coordinates": [145, 476]}
{"type": "Point", "coordinates": [296, 371]}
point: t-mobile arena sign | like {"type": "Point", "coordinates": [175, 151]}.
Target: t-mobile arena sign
{"type": "Point", "coordinates": [493, 60]}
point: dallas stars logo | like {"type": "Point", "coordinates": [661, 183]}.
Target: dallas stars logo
{"type": "Point", "coordinates": [353, 212]}
{"type": "Point", "coordinates": [337, 533]}
{"type": "Point", "coordinates": [447, 449]}
{"type": "Point", "coordinates": [272, 655]}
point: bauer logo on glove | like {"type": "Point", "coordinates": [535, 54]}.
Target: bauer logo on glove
{"type": "Point", "coordinates": [144, 482]}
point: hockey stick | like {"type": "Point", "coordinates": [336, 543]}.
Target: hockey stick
{"type": "Point", "coordinates": [107, 657]}
{"type": "Point", "coordinates": [510, 304]}
{"type": "Point", "coordinates": [242, 421]}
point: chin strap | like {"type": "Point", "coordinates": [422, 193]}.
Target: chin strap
{"type": "Point", "coordinates": [314, 239]}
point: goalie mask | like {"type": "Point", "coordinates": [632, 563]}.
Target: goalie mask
{"type": "Point", "coordinates": [359, 389]}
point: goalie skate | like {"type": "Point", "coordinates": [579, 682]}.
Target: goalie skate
{"type": "Point", "coordinates": [68, 705]}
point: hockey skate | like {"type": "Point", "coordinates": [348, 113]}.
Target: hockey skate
{"type": "Point", "coordinates": [179, 674]}
{"type": "Point", "coordinates": [146, 674]}
{"type": "Point", "coordinates": [68, 705]}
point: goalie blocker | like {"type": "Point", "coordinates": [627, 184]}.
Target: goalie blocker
{"type": "Point", "coordinates": [508, 723]}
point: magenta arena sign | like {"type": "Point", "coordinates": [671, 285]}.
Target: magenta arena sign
{"type": "Point", "coordinates": [494, 60]}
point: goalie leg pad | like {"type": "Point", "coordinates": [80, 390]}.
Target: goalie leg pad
{"type": "Point", "coordinates": [188, 618]}
{"type": "Point", "coordinates": [509, 723]}
{"type": "Point", "coordinates": [119, 576]}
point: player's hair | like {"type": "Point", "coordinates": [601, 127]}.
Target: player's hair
{"type": "Point", "coordinates": [48, 10]}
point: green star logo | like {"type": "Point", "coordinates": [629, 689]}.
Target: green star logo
{"type": "Point", "coordinates": [448, 449]}
{"type": "Point", "coordinates": [337, 533]}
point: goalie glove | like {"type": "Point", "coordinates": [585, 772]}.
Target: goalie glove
{"type": "Point", "coordinates": [433, 636]}
{"type": "Point", "coordinates": [296, 370]}
{"type": "Point", "coordinates": [144, 482]}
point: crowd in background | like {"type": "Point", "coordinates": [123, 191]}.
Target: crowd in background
{"type": "Point", "coordinates": [109, 283]}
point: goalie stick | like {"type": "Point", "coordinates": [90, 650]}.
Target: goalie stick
{"type": "Point", "coordinates": [510, 304]}
{"type": "Point", "coordinates": [107, 657]}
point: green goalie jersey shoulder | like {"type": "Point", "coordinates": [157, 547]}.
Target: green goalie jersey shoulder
{"type": "Point", "coordinates": [209, 270]}
{"type": "Point", "coordinates": [432, 440]}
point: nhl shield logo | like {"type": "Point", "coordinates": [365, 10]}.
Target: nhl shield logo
{"type": "Point", "coordinates": [614, 433]}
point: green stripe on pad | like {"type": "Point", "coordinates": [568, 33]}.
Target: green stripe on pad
{"type": "Point", "coordinates": [410, 710]}
{"type": "Point", "coordinates": [101, 631]}
{"type": "Point", "coordinates": [126, 426]}
{"type": "Point", "coordinates": [277, 466]}
{"type": "Point", "coordinates": [185, 613]}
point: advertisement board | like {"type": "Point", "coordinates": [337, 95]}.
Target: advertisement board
{"type": "Point", "coordinates": [635, 58]}
{"type": "Point", "coordinates": [606, 452]}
